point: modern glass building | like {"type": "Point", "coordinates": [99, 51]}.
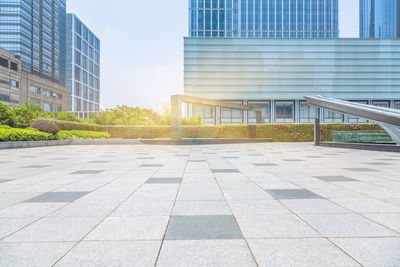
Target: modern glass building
{"type": "Point", "coordinates": [264, 18]}
{"type": "Point", "coordinates": [35, 31]}
{"type": "Point", "coordinates": [276, 74]}
{"type": "Point", "coordinates": [379, 18]}
{"type": "Point", "coordinates": [83, 68]}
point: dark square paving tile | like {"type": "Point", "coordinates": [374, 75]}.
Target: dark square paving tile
{"type": "Point", "coordinates": [231, 157]}
{"type": "Point", "coordinates": [202, 228]}
{"type": "Point", "coordinates": [99, 161]}
{"type": "Point", "coordinates": [36, 166]}
{"type": "Point", "coordinates": [151, 165]}
{"type": "Point", "coordinates": [256, 155]}
{"type": "Point", "coordinates": [265, 164]}
{"type": "Point", "coordinates": [164, 181]}
{"type": "Point", "coordinates": [360, 170]}
{"type": "Point", "coordinates": [335, 179]}
{"type": "Point", "coordinates": [145, 158]}
{"type": "Point", "coordinates": [181, 155]}
{"type": "Point", "coordinates": [197, 160]}
{"type": "Point", "coordinates": [60, 159]}
{"type": "Point", "coordinates": [58, 197]}
{"type": "Point", "coordinates": [88, 172]}
{"type": "Point", "coordinates": [4, 181]}
{"type": "Point", "coordinates": [314, 157]}
{"type": "Point", "coordinates": [225, 171]}
{"type": "Point", "coordinates": [293, 160]}
{"type": "Point", "coordinates": [292, 194]}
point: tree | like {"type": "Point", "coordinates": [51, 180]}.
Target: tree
{"type": "Point", "coordinates": [5, 114]}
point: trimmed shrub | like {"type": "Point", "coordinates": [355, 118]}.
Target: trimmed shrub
{"type": "Point", "coordinates": [71, 135]}
{"type": "Point", "coordinates": [45, 126]}
{"type": "Point", "coordinates": [144, 132]}
{"type": "Point", "coordinates": [278, 132]}
{"type": "Point", "coordinates": [23, 117]}
{"type": "Point", "coordinates": [5, 127]}
{"type": "Point", "coordinates": [66, 116]}
{"type": "Point", "coordinates": [8, 135]}
{"type": "Point", "coordinates": [70, 126]}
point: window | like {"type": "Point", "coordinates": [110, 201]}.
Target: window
{"type": "Point", "coordinates": [14, 66]}
{"type": "Point", "coordinates": [46, 93]}
{"type": "Point", "coordinates": [4, 98]}
{"type": "Point", "coordinates": [58, 108]}
{"type": "Point", "coordinates": [397, 105]}
{"type": "Point", "coordinates": [284, 112]}
{"type": "Point", "coordinates": [3, 62]}
{"type": "Point", "coordinates": [34, 89]}
{"type": "Point", "coordinates": [382, 104]}
{"type": "Point", "coordinates": [78, 104]}
{"type": "Point", "coordinates": [77, 89]}
{"type": "Point", "coordinates": [85, 92]}
{"type": "Point", "coordinates": [14, 83]}
{"type": "Point", "coordinates": [331, 116]}
{"type": "Point", "coordinates": [265, 106]}
{"type": "Point", "coordinates": [308, 113]}
{"type": "Point", "coordinates": [77, 73]}
{"type": "Point", "coordinates": [46, 107]}
{"type": "Point", "coordinates": [231, 116]}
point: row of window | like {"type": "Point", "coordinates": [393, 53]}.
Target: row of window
{"type": "Point", "coordinates": [6, 98]}
{"type": "Point", "coordinates": [86, 78]}
{"type": "Point", "coordinates": [86, 93]}
{"type": "Point", "coordinates": [83, 105]}
{"type": "Point", "coordinates": [8, 64]}
{"type": "Point", "coordinates": [283, 112]}
{"type": "Point", "coordinates": [87, 35]}
{"type": "Point", "coordinates": [11, 83]}
{"type": "Point", "coordinates": [44, 92]}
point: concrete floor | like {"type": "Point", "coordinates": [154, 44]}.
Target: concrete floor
{"type": "Point", "coordinates": [216, 205]}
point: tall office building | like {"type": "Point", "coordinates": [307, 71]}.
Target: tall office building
{"type": "Point", "coordinates": [264, 18]}
{"type": "Point", "coordinates": [379, 18]}
{"type": "Point", "coordinates": [35, 31]}
{"type": "Point", "coordinates": [83, 68]}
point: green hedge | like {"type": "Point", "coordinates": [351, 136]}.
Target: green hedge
{"type": "Point", "coordinates": [144, 132]}
{"type": "Point", "coordinates": [278, 132]}
{"type": "Point", "coordinates": [70, 126]}
{"type": "Point", "coordinates": [76, 134]}
{"type": "Point", "coordinates": [8, 135]}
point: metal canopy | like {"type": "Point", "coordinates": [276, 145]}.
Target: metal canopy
{"type": "Point", "coordinates": [388, 119]}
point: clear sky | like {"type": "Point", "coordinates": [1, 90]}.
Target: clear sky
{"type": "Point", "coordinates": [142, 46]}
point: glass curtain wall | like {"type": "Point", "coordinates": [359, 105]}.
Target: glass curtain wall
{"type": "Point", "coordinates": [379, 18]}
{"type": "Point", "coordinates": [264, 18]}
{"type": "Point", "coordinates": [265, 106]}
{"type": "Point", "coordinates": [35, 30]}
{"type": "Point", "coordinates": [284, 111]}
{"type": "Point", "coordinates": [308, 113]}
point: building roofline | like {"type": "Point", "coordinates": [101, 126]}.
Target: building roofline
{"type": "Point", "coordinates": [76, 16]}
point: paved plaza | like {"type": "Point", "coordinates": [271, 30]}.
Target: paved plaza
{"type": "Point", "coordinates": [212, 205]}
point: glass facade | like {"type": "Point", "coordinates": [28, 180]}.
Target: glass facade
{"type": "Point", "coordinates": [35, 31]}
{"type": "Point", "coordinates": [83, 65]}
{"type": "Point", "coordinates": [379, 18]}
{"type": "Point", "coordinates": [275, 74]}
{"type": "Point", "coordinates": [264, 18]}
